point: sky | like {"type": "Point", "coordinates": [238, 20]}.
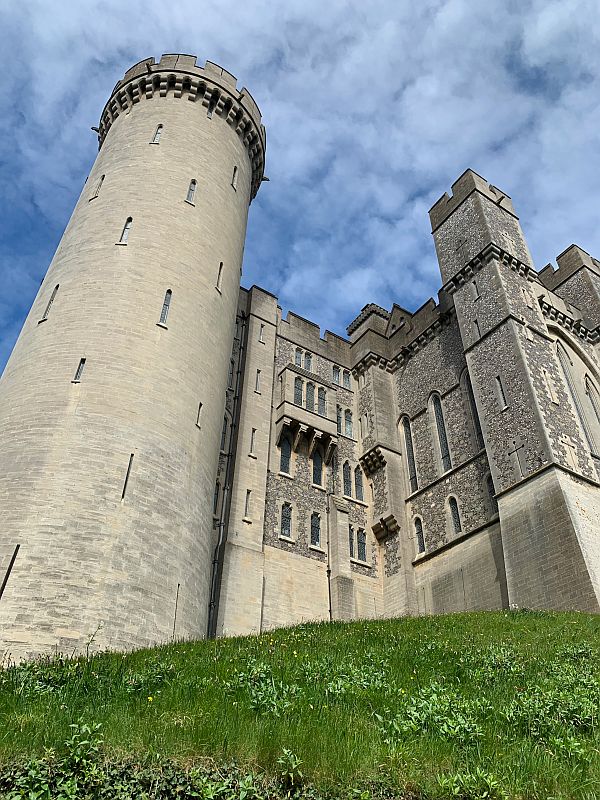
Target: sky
{"type": "Point", "coordinates": [372, 111]}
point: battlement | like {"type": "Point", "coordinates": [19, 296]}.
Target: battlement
{"type": "Point", "coordinates": [211, 85]}
{"type": "Point", "coordinates": [569, 262]}
{"type": "Point", "coordinates": [462, 187]}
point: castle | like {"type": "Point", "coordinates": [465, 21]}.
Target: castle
{"type": "Point", "coordinates": [179, 460]}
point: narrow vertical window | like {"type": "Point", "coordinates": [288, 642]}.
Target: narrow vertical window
{"type": "Point", "coordinates": [410, 455]}
{"type": "Point", "coordinates": [317, 476]}
{"type": "Point", "coordinates": [216, 498]}
{"type": "Point", "coordinates": [261, 334]}
{"type": "Point", "coordinates": [419, 535]}
{"type": "Point", "coordinates": [473, 409]}
{"type": "Point", "coordinates": [336, 374]}
{"type": "Point", "coordinates": [592, 394]}
{"type": "Point", "coordinates": [127, 474]}
{"type": "Point", "coordinates": [348, 423]}
{"type": "Point", "coordinates": [308, 362]}
{"type": "Point", "coordinates": [224, 435]}
{"type": "Point", "coordinates": [212, 103]}
{"type": "Point", "coordinates": [298, 391]}
{"type": "Point", "coordinates": [491, 494]}
{"type": "Point", "coordinates": [346, 379]}
{"type": "Point", "coordinates": [165, 307]}
{"type": "Point", "coordinates": [198, 414]}
{"type": "Point", "coordinates": [455, 515]}
{"type": "Point", "coordinates": [501, 393]}
{"type": "Point", "coordinates": [191, 193]}
{"type": "Point", "coordinates": [339, 418]}
{"type": "Point", "coordinates": [219, 276]}
{"type": "Point", "coordinates": [252, 440]}
{"type": "Point", "coordinates": [257, 382]}
{"type": "Point", "coordinates": [310, 396]}
{"type": "Point", "coordinates": [285, 456]}
{"type": "Point", "coordinates": [157, 135]}
{"type": "Point", "coordinates": [298, 357]}
{"type": "Point", "coordinates": [50, 301]}
{"type": "Point", "coordinates": [358, 484]}
{"type": "Point", "coordinates": [315, 529]}
{"type": "Point", "coordinates": [322, 402]}
{"type": "Point", "coordinates": [474, 289]}
{"type": "Point", "coordinates": [286, 521]}
{"type": "Point", "coordinates": [351, 540]}
{"type": "Point", "coordinates": [98, 187]}
{"type": "Point", "coordinates": [441, 432]}
{"type": "Point", "coordinates": [361, 541]}
{"type": "Point", "coordinates": [247, 503]}
{"type": "Point", "coordinates": [79, 371]}
{"type": "Point", "coordinates": [347, 475]}
{"type": "Point", "coordinates": [234, 178]}
{"type": "Point", "coordinates": [230, 375]}
{"type": "Point", "coordinates": [477, 328]}
{"type": "Point", "coordinates": [125, 232]}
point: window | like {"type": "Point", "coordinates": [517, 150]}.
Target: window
{"type": "Point", "coordinates": [351, 540]}
{"type": "Point", "coordinates": [219, 276]}
{"type": "Point", "coordinates": [455, 515]}
{"type": "Point", "coordinates": [165, 307]}
{"type": "Point", "coordinates": [441, 432]}
{"type": "Point", "coordinates": [286, 520]}
{"type": "Point", "coordinates": [419, 535]}
{"type": "Point", "coordinates": [346, 379]}
{"type": "Point", "coordinates": [157, 135]}
{"type": "Point", "coordinates": [315, 529]}
{"type": "Point", "coordinates": [127, 474]}
{"type": "Point", "coordinates": [310, 396]}
{"type": "Point", "coordinates": [592, 394]}
{"type": "Point", "coordinates": [224, 434]}
{"type": "Point", "coordinates": [285, 455]}
{"type": "Point", "coordinates": [317, 476]}
{"type": "Point", "coordinates": [216, 498]}
{"type": "Point", "coordinates": [257, 382]}
{"type": "Point", "coordinates": [358, 484]}
{"type": "Point", "coordinates": [491, 493]}
{"type": "Point", "coordinates": [322, 402]}
{"type": "Point", "coordinates": [298, 391]}
{"type": "Point", "coordinates": [125, 231]}
{"type": "Point", "coordinates": [198, 414]}
{"type": "Point", "coordinates": [500, 392]}
{"type": "Point", "coordinates": [230, 376]}
{"type": "Point", "coordinates": [252, 440]}
{"type": "Point", "coordinates": [49, 306]}
{"type": "Point", "coordinates": [348, 423]}
{"type": "Point", "coordinates": [298, 357]}
{"type": "Point", "coordinates": [98, 187]}
{"type": "Point", "coordinates": [339, 418]}
{"type": "Point", "coordinates": [191, 193]}
{"type": "Point", "coordinates": [336, 374]}
{"type": "Point", "coordinates": [475, 289]}
{"type": "Point", "coordinates": [410, 455]}
{"type": "Point", "coordinates": [308, 361]}
{"type": "Point", "coordinates": [261, 332]}
{"type": "Point", "coordinates": [347, 475]}
{"type": "Point", "coordinates": [361, 540]}
{"type": "Point", "coordinates": [247, 503]}
{"type": "Point", "coordinates": [234, 178]}
{"type": "Point", "coordinates": [473, 408]}
{"type": "Point", "coordinates": [79, 371]}
{"type": "Point", "coordinates": [212, 103]}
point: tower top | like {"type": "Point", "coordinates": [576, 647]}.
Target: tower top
{"type": "Point", "coordinates": [211, 85]}
{"type": "Point", "coordinates": [462, 188]}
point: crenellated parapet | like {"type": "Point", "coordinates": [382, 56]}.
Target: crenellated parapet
{"type": "Point", "coordinates": [211, 86]}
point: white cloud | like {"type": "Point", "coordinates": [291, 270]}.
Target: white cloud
{"type": "Point", "coordinates": [372, 111]}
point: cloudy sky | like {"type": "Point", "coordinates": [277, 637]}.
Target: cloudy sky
{"type": "Point", "coordinates": [372, 111]}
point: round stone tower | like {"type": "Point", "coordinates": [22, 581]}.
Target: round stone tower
{"type": "Point", "coordinates": [112, 403]}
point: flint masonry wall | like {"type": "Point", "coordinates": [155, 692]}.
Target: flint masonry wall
{"type": "Point", "coordinates": [130, 566]}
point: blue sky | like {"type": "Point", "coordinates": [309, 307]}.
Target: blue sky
{"type": "Point", "coordinates": [372, 111]}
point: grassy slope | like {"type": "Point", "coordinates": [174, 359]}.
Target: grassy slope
{"type": "Point", "coordinates": [514, 693]}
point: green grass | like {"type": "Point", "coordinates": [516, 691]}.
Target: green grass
{"type": "Point", "coordinates": [428, 707]}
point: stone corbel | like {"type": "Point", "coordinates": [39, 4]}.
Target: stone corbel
{"type": "Point", "coordinates": [385, 526]}
{"type": "Point", "coordinates": [302, 430]}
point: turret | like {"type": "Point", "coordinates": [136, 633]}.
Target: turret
{"type": "Point", "coordinates": [112, 403]}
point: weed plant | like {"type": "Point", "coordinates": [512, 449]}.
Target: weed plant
{"type": "Point", "coordinates": [483, 705]}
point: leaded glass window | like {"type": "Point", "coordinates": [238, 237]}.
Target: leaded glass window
{"type": "Point", "coordinates": [347, 473]}
{"type": "Point", "coordinates": [317, 460]}
{"type": "Point", "coordinates": [348, 423]}
{"type": "Point", "coordinates": [441, 431]}
{"type": "Point", "coordinates": [336, 374]}
{"type": "Point", "coordinates": [315, 529]}
{"type": "Point", "coordinates": [339, 418]}
{"type": "Point", "coordinates": [285, 455]}
{"type": "Point", "coordinates": [358, 484]}
{"type": "Point", "coordinates": [298, 391]}
{"type": "Point", "coordinates": [310, 396]}
{"type": "Point", "coordinates": [308, 361]}
{"type": "Point", "coordinates": [455, 515]}
{"type": "Point", "coordinates": [346, 379]}
{"type": "Point", "coordinates": [361, 540]}
{"type": "Point", "coordinates": [351, 540]}
{"type": "Point", "coordinates": [322, 401]}
{"type": "Point", "coordinates": [286, 520]}
{"type": "Point", "coordinates": [410, 455]}
{"type": "Point", "coordinates": [419, 535]}
{"type": "Point", "coordinates": [298, 357]}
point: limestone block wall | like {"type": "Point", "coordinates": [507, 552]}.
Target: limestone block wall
{"type": "Point", "coordinates": [108, 466]}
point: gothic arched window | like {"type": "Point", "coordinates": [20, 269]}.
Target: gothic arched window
{"type": "Point", "coordinates": [308, 361]}
{"type": "Point", "coordinates": [419, 535]}
{"type": "Point", "coordinates": [315, 529]}
{"type": "Point", "coordinates": [336, 374]}
{"type": "Point", "coordinates": [455, 515]}
{"type": "Point", "coordinates": [348, 423]}
{"type": "Point", "coordinates": [298, 357]}
{"type": "Point", "coordinates": [347, 474]}
{"type": "Point", "coordinates": [317, 476]}
{"type": "Point", "coordinates": [440, 425]}
{"type": "Point", "coordinates": [410, 455]}
{"type": "Point", "coordinates": [286, 520]}
{"type": "Point", "coordinates": [358, 484]}
{"type": "Point", "coordinates": [361, 541]}
{"type": "Point", "coordinates": [285, 456]}
{"type": "Point", "coordinates": [339, 418]}
{"type": "Point", "coordinates": [322, 402]}
{"type": "Point", "coordinates": [473, 409]}
{"type": "Point", "coordinates": [351, 540]}
{"type": "Point", "coordinates": [298, 391]}
{"type": "Point", "coordinates": [310, 396]}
